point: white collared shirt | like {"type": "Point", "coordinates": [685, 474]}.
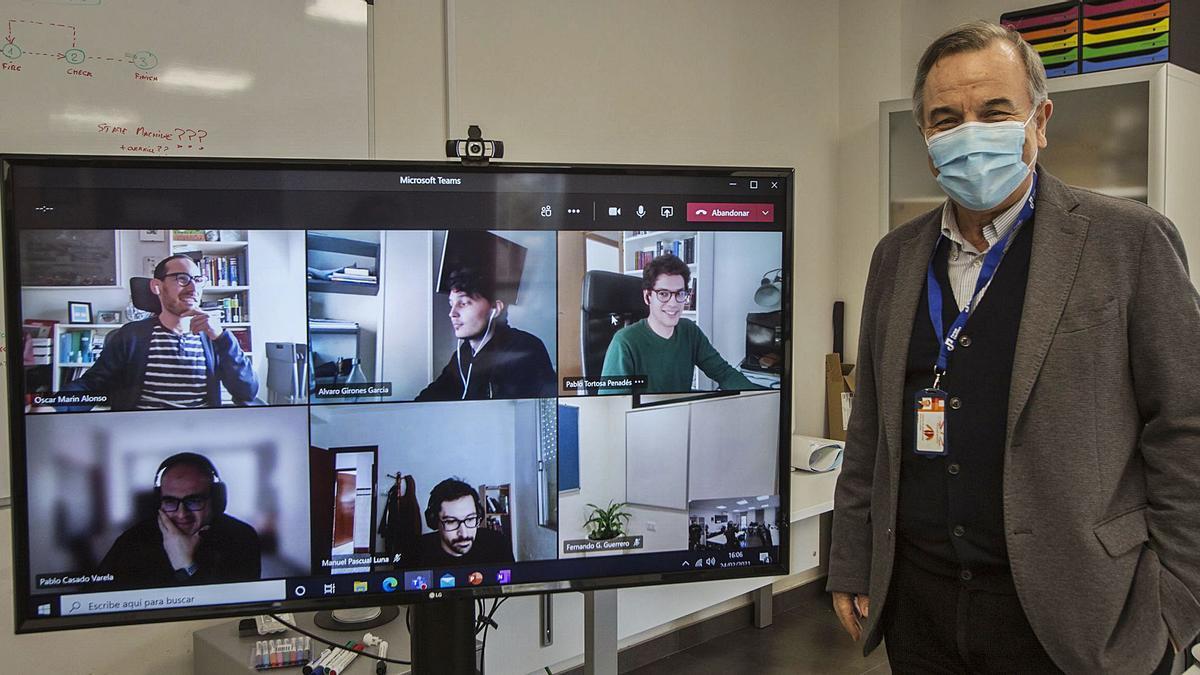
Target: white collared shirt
{"type": "Point", "coordinates": [965, 261]}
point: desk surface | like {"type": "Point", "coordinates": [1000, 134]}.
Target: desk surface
{"type": "Point", "coordinates": [219, 650]}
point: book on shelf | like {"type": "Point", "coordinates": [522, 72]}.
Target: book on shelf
{"type": "Point", "coordinates": [222, 270]}
{"type": "Point", "coordinates": [354, 275]}
{"type": "Point", "coordinates": [242, 335]}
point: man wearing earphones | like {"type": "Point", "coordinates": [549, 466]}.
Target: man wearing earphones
{"type": "Point", "coordinates": [460, 535]}
{"type": "Point", "coordinates": [178, 358]}
{"type": "Point", "coordinates": [493, 359]}
{"type": "Point", "coordinates": [189, 539]}
{"type": "Point", "coordinates": [1021, 483]}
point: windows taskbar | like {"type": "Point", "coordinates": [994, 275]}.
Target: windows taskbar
{"type": "Point", "coordinates": [438, 582]}
{"type": "Point", "coordinates": [559, 572]}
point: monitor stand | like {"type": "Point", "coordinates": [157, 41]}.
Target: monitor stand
{"type": "Point", "coordinates": [360, 619]}
{"type": "Point", "coordinates": [443, 637]}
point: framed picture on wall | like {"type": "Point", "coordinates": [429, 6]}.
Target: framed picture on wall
{"type": "Point", "coordinates": [70, 259]}
{"type": "Point", "coordinates": [152, 235]}
{"type": "Point", "coordinates": [79, 312]}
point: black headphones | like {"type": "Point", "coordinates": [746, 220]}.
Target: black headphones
{"type": "Point", "coordinates": [217, 496]}
{"type": "Point", "coordinates": [436, 499]}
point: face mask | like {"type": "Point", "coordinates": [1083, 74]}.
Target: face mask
{"type": "Point", "coordinates": [979, 163]}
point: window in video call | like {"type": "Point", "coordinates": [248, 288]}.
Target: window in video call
{"type": "Point", "coordinates": [247, 385]}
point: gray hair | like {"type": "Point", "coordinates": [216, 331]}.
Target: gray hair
{"type": "Point", "coordinates": [974, 36]}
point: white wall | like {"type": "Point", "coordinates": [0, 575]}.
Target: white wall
{"type": "Point", "coordinates": [277, 303]}
{"type": "Point", "coordinates": [406, 296]}
{"type": "Point", "coordinates": [739, 264]}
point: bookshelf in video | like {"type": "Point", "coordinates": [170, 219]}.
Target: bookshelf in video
{"type": "Point", "coordinates": [309, 394]}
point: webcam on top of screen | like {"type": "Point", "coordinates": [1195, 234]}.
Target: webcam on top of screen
{"type": "Point", "coordinates": [474, 150]}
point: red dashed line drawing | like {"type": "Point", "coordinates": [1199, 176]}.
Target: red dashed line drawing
{"type": "Point", "coordinates": [12, 50]}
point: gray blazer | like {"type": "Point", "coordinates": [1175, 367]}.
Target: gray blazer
{"type": "Point", "coordinates": [1102, 453]}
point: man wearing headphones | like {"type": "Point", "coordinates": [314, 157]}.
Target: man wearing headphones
{"type": "Point", "coordinates": [493, 359]}
{"type": "Point", "coordinates": [189, 539]}
{"type": "Point", "coordinates": [460, 536]}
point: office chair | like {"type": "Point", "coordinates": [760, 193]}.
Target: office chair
{"type": "Point", "coordinates": [610, 302]}
{"type": "Point", "coordinates": [142, 297]}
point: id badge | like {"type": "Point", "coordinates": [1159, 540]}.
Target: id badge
{"type": "Point", "coordinates": [931, 423]}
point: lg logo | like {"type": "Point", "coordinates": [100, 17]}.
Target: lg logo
{"type": "Point", "coordinates": [434, 595]}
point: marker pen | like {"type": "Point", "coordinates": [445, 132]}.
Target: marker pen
{"type": "Point", "coordinates": [308, 670]}
{"type": "Point", "coordinates": [327, 667]}
{"type": "Point", "coordinates": [381, 666]}
{"type": "Point", "coordinates": [344, 661]}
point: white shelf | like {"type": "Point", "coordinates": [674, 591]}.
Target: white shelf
{"type": "Point", "coordinates": [225, 289]}
{"type": "Point", "coordinates": [661, 235]}
{"type": "Point", "coordinates": [211, 247]}
{"type": "Point", "coordinates": [68, 326]}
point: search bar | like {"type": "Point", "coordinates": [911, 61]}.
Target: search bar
{"type": "Point", "coordinates": [175, 597]}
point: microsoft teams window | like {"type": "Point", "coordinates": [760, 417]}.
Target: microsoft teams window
{"type": "Point", "coordinates": [239, 386]}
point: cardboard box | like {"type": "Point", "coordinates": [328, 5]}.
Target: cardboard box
{"type": "Point", "coordinates": [839, 395]}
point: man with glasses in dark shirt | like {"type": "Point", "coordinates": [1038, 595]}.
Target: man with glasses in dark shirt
{"type": "Point", "coordinates": [460, 535]}
{"type": "Point", "coordinates": [189, 539]}
{"type": "Point", "coordinates": [665, 347]}
{"type": "Point", "coordinates": [178, 358]}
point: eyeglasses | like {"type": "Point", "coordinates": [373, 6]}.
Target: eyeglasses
{"type": "Point", "coordinates": [665, 295]}
{"type": "Point", "coordinates": [183, 279]}
{"type": "Point", "coordinates": [190, 502]}
{"type": "Point", "coordinates": [452, 524]}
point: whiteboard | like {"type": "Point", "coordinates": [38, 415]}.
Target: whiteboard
{"type": "Point", "coordinates": [177, 78]}
{"type": "Point", "coordinates": [734, 447]}
{"type": "Point", "coordinates": [656, 457]}
{"type": "Point", "coordinates": [162, 78]}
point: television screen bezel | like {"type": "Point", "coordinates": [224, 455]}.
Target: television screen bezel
{"type": "Point", "coordinates": [25, 622]}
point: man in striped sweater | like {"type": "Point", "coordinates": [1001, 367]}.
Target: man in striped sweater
{"type": "Point", "coordinates": [178, 358]}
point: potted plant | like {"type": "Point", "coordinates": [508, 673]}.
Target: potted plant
{"type": "Point", "coordinates": [607, 523]}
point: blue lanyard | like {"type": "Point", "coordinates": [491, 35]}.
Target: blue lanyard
{"type": "Point", "coordinates": [990, 262]}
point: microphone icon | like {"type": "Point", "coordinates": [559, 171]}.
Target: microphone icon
{"type": "Point", "coordinates": [641, 212]}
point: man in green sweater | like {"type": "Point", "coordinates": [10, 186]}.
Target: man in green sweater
{"type": "Point", "coordinates": [665, 347]}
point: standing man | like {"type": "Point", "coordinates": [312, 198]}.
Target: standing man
{"type": "Point", "coordinates": [189, 539]}
{"type": "Point", "coordinates": [178, 358]}
{"type": "Point", "coordinates": [1021, 485]}
{"type": "Point", "coordinates": [665, 347]}
{"type": "Point", "coordinates": [493, 359]}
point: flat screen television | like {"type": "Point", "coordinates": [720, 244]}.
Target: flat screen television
{"type": "Point", "coordinates": [241, 387]}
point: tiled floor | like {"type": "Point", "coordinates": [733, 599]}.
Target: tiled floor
{"type": "Point", "coordinates": [805, 639]}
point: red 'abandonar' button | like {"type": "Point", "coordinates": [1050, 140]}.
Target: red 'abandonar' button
{"type": "Point", "coordinates": [714, 212]}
